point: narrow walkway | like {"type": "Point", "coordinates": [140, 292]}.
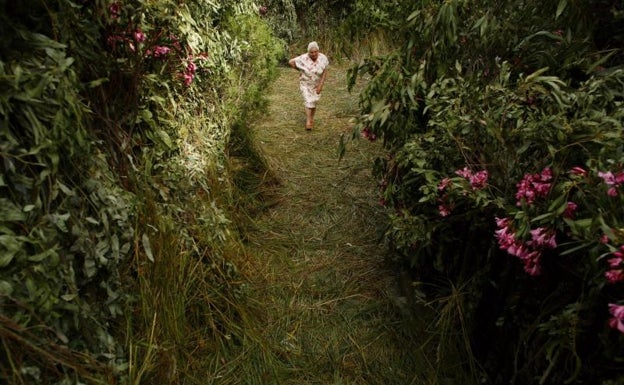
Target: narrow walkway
{"type": "Point", "coordinates": [318, 270]}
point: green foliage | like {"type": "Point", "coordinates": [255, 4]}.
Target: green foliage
{"type": "Point", "coordinates": [116, 255]}
{"type": "Point", "coordinates": [478, 99]}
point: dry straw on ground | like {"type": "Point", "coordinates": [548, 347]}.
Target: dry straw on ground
{"type": "Point", "coordinates": [326, 303]}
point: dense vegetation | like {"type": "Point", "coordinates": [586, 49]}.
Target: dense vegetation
{"type": "Point", "coordinates": [118, 224]}
{"type": "Point", "coordinates": [504, 126]}
{"type": "Point", "coordinates": [116, 249]}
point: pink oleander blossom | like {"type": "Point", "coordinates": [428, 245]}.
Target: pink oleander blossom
{"type": "Point", "coordinates": [578, 171]}
{"type": "Point", "coordinates": [614, 181]}
{"type": "Point", "coordinates": [532, 265]}
{"type": "Point", "coordinates": [368, 134]}
{"type": "Point", "coordinates": [161, 51]}
{"type": "Point", "coordinates": [570, 210]}
{"type": "Point", "coordinates": [614, 276]}
{"type": "Point", "coordinates": [115, 10]}
{"type": "Point", "coordinates": [444, 183]}
{"type": "Point", "coordinates": [533, 186]}
{"type": "Point", "coordinates": [191, 67]}
{"type": "Point", "coordinates": [617, 320]}
{"type": "Point", "coordinates": [530, 252]}
{"type": "Point", "coordinates": [477, 180]}
{"type": "Point", "coordinates": [444, 210]}
{"type": "Point", "coordinates": [465, 172]}
{"type": "Point", "coordinates": [188, 78]}
{"type": "Point", "coordinates": [543, 238]}
{"type": "Point", "coordinates": [607, 177]}
{"type": "Point", "coordinates": [139, 36]}
{"type": "Point", "coordinates": [615, 262]}
{"type": "Point", "coordinates": [615, 273]}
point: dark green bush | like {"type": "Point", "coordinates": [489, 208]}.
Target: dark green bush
{"type": "Point", "coordinates": [495, 118]}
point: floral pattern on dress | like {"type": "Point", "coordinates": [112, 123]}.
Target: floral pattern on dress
{"type": "Point", "coordinates": [310, 76]}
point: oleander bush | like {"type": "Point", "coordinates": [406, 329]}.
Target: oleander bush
{"type": "Point", "coordinates": [117, 259]}
{"type": "Point", "coordinates": [503, 125]}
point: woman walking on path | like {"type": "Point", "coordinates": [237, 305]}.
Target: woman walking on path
{"type": "Point", "coordinates": [313, 67]}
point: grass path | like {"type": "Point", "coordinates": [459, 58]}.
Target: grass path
{"type": "Point", "coordinates": [327, 303]}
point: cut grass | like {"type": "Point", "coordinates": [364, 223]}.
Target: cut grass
{"type": "Point", "coordinates": [324, 307]}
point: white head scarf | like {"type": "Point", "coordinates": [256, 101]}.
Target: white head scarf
{"type": "Point", "coordinates": [313, 46]}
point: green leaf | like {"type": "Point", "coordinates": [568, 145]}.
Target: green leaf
{"type": "Point", "coordinates": [147, 246]}
{"type": "Point", "coordinates": [41, 256]}
{"type": "Point", "coordinates": [12, 245]}
{"type": "Point", "coordinates": [6, 288]}
{"type": "Point", "coordinates": [69, 297]}
{"type": "Point", "coordinates": [9, 212]}
{"type": "Point", "coordinates": [96, 82]}
{"type": "Point", "coordinates": [561, 7]}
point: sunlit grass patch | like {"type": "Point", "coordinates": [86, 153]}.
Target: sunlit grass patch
{"type": "Point", "coordinates": [325, 299]}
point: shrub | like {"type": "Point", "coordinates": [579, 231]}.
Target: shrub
{"type": "Point", "coordinates": [505, 149]}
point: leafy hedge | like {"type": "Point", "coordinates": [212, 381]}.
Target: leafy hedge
{"type": "Point", "coordinates": [114, 232]}
{"type": "Point", "coordinates": [504, 128]}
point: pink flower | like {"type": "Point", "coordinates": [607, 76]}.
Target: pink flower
{"type": "Point", "coordinates": [530, 253]}
{"type": "Point", "coordinates": [532, 266]}
{"type": "Point", "coordinates": [578, 171]}
{"type": "Point", "coordinates": [542, 237]}
{"type": "Point", "coordinates": [570, 210]}
{"type": "Point", "coordinates": [506, 239]}
{"type": "Point", "coordinates": [444, 210]}
{"type": "Point", "coordinates": [614, 276]}
{"type": "Point", "coordinates": [115, 10]}
{"type": "Point", "coordinates": [613, 181]}
{"type": "Point", "coordinates": [478, 180]}
{"type": "Point", "coordinates": [188, 78]}
{"type": "Point", "coordinates": [617, 321]}
{"type": "Point", "coordinates": [607, 177]}
{"type": "Point", "coordinates": [505, 236]}
{"type": "Point", "coordinates": [604, 239]}
{"type": "Point", "coordinates": [465, 172]}
{"type": "Point", "coordinates": [368, 134]}
{"type": "Point", "coordinates": [615, 262]}
{"type": "Point", "coordinates": [191, 67]}
{"type": "Point", "coordinates": [502, 222]}
{"type": "Point", "coordinates": [139, 36]}
{"type": "Point", "coordinates": [160, 51]}
{"type": "Point", "coordinates": [444, 183]}
{"type": "Point", "coordinates": [534, 186]}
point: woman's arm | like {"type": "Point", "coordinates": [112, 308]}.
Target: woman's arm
{"type": "Point", "coordinates": [319, 87]}
{"type": "Point", "coordinates": [292, 63]}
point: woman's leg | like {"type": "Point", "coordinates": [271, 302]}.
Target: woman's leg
{"type": "Point", "coordinates": [309, 118]}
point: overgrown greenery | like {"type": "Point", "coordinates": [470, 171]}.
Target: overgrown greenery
{"type": "Point", "coordinates": [119, 119]}
{"type": "Point", "coordinates": [504, 125]}
{"type": "Point", "coordinates": [116, 255]}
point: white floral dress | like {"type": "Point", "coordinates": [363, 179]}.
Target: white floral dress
{"type": "Point", "coordinates": [311, 72]}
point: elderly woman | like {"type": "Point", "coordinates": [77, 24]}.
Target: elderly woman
{"type": "Point", "coordinates": [313, 67]}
